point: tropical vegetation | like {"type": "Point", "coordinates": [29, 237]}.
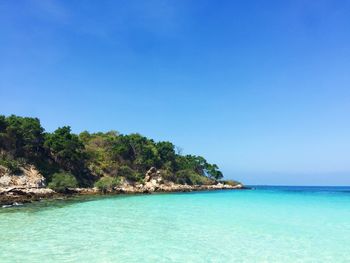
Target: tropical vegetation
{"type": "Point", "coordinates": [67, 160]}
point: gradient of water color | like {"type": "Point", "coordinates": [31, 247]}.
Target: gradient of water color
{"type": "Point", "coordinates": [269, 224]}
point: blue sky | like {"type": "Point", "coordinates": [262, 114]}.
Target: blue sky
{"type": "Point", "coordinates": [262, 88]}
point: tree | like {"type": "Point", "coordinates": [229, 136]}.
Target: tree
{"type": "Point", "coordinates": [66, 148]}
{"type": "Point", "coordinates": [166, 151]}
{"type": "Point", "coordinates": [3, 135]}
{"type": "Point", "coordinates": [128, 173]}
{"type": "Point", "coordinates": [122, 149]}
{"type": "Point", "coordinates": [190, 177]}
{"type": "Point", "coordinates": [22, 137]}
{"type": "Point", "coordinates": [138, 150]}
{"type": "Point", "coordinates": [199, 165]}
{"type": "Point", "coordinates": [191, 162]}
{"type": "Point", "coordinates": [95, 155]}
{"type": "Point", "coordinates": [213, 172]}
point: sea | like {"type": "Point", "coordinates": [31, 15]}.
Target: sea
{"type": "Point", "coordinates": [264, 224]}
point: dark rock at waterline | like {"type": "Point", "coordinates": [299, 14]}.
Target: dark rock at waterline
{"type": "Point", "coordinates": [12, 195]}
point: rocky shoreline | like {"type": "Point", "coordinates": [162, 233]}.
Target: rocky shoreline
{"type": "Point", "coordinates": [14, 196]}
{"type": "Point", "coordinates": [10, 196]}
{"type": "Point", "coordinates": [30, 186]}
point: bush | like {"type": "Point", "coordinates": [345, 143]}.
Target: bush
{"type": "Point", "coordinates": [167, 175]}
{"type": "Point", "coordinates": [13, 165]}
{"type": "Point", "coordinates": [190, 177]}
{"type": "Point", "coordinates": [230, 182]}
{"type": "Point", "coordinates": [107, 183]}
{"type": "Point", "coordinates": [129, 174]}
{"type": "Point", "coordinates": [62, 181]}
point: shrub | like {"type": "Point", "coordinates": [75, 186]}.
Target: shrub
{"type": "Point", "coordinates": [128, 173]}
{"type": "Point", "coordinates": [230, 182]}
{"type": "Point", "coordinates": [190, 177]}
{"type": "Point", "coordinates": [107, 183]}
{"type": "Point", "coordinates": [62, 181]}
{"type": "Point", "coordinates": [13, 165]}
{"type": "Point", "coordinates": [168, 175]}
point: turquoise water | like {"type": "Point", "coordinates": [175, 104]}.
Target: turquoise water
{"type": "Point", "coordinates": [269, 224]}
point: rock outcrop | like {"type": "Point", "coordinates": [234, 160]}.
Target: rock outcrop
{"type": "Point", "coordinates": [29, 177]}
{"type": "Point", "coordinates": [26, 186]}
{"type": "Point", "coordinates": [13, 195]}
{"type": "Point", "coordinates": [153, 182]}
{"type": "Point", "coordinates": [30, 186]}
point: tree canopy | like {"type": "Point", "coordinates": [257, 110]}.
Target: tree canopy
{"type": "Point", "coordinates": [91, 156]}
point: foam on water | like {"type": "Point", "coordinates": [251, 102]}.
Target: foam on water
{"type": "Point", "coordinates": [269, 224]}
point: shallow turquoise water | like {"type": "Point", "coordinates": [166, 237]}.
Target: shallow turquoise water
{"type": "Point", "coordinates": [264, 225]}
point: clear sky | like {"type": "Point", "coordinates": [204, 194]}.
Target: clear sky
{"type": "Point", "coordinates": [262, 88]}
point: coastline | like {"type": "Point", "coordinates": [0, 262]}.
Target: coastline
{"type": "Point", "coordinates": [12, 196]}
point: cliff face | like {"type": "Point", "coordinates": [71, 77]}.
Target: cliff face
{"type": "Point", "coordinates": [28, 178]}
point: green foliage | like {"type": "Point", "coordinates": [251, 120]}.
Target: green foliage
{"type": "Point", "coordinates": [66, 148]}
{"type": "Point", "coordinates": [61, 182]}
{"type": "Point", "coordinates": [129, 174]}
{"type": "Point", "coordinates": [191, 162]}
{"type": "Point", "coordinates": [168, 175]}
{"type": "Point", "coordinates": [107, 183]}
{"type": "Point", "coordinates": [12, 164]}
{"type": "Point", "coordinates": [21, 137]}
{"type": "Point", "coordinates": [167, 156]}
{"type": "Point", "coordinates": [190, 177]}
{"type": "Point", "coordinates": [230, 182]}
{"type": "Point", "coordinates": [3, 135]}
{"type": "Point", "coordinates": [94, 155]}
{"type": "Point", "coordinates": [2, 123]}
{"type": "Point", "coordinates": [143, 152]}
{"type": "Point", "coordinates": [98, 152]}
{"type": "Point", "coordinates": [213, 172]}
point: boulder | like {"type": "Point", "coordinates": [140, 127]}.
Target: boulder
{"type": "Point", "coordinates": [153, 175]}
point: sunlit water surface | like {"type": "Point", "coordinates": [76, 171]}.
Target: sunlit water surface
{"type": "Point", "coordinates": [268, 224]}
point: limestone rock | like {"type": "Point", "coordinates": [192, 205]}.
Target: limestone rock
{"type": "Point", "coordinates": [29, 177]}
{"type": "Point", "coordinates": [13, 195]}
{"type": "Point", "coordinates": [153, 175]}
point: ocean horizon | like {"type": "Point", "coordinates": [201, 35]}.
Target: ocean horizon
{"type": "Point", "coordinates": [265, 224]}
